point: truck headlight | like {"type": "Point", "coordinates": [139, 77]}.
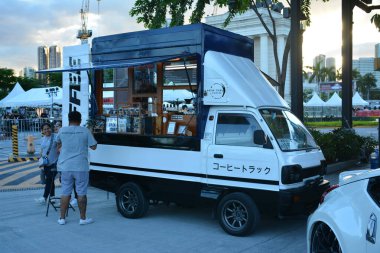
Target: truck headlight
{"type": "Point", "coordinates": [291, 174]}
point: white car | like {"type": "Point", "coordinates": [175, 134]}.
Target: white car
{"type": "Point", "coordinates": [347, 218]}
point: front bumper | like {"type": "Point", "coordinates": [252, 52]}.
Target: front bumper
{"type": "Point", "coordinates": [302, 200]}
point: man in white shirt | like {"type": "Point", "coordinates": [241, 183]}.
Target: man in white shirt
{"type": "Point", "coordinates": [74, 141]}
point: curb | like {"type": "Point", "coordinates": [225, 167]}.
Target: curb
{"type": "Point", "coordinates": [22, 159]}
{"type": "Point", "coordinates": [346, 165]}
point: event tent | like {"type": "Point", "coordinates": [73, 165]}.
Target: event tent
{"type": "Point", "coordinates": [17, 90]}
{"type": "Point", "coordinates": [358, 101]}
{"type": "Point", "coordinates": [335, 100]}
{"type": "Point", "coordinates": [315, 101]}
{"type": "Point", "coordinates": [35, 97]}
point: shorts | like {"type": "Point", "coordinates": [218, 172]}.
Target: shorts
{"type": "Point", "coordinates": [81, 182]}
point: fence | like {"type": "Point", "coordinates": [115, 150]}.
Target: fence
{"type": "Point", "coordinates": [25, 127]}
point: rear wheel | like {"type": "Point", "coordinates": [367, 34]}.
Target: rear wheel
{"type": "Point", "coordinates": [130, 201]}
{"type": "Point", "coordinates": [323, 240]}
{"type": "Point", "coordinates": [238, 214]}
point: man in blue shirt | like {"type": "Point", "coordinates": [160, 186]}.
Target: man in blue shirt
{"type": "Point", "coordinates": [74, 141]}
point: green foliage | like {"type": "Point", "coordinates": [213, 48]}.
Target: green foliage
{"type": "Point", "coordinates": [343, 144]}
{"type": "Point", "coordinates": [338, 123]}
{"type": "Point", "coordinates": [322, 74]}
{"type": "Point", "coordinates": [55, 79]}
{"type": "Point", "coordinates": [307, 94]}
{"type": "Point", "coordinates": [365, 83]}
{"type": "Point", "coordinates": [152, 13]}
{"type": "Point", "coordinates": [376, 21]}
{"type": "Point", "coordinates": [7, 81]}
{"type": "Point", "coordinates": [29, 83]}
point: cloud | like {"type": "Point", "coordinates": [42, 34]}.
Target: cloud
{"type": "Point", "coordinates": [27, 24]}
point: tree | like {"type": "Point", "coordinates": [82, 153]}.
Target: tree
{"type": "Point", "coordinates": [153, 14]}
{"type": "Point", "coordinates": [355, 74]}
{"type": "Point", "coordinates": [55, 79]}
{"type": "Point", "coordinates": [307, 94]}
{"type": "Point", "coordinates": [319, 74]}
{"type": "Point", "coordinates": [365, 83]}
{"type": "Point", "coordinates": [29, 83]}
{"type": "Point", "coordinates": [7, 81]}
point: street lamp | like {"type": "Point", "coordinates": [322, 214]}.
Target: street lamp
{"type": "Point", "coordinates": [52, 92]}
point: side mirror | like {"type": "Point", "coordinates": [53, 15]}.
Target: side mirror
{"type": "Point", "coordinates": [260, 138]}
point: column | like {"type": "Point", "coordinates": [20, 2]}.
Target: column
{"type": "Point", "coordinates": [264, 53]}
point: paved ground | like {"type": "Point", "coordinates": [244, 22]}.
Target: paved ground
{"type": "Point", "coordinates": [24, 227]}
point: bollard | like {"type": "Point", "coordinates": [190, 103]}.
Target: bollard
{"type": "Point", "coordinates": [378, 144]}
{"type": "Point", "coordinates": [14, 140]}
{"type": "Point", "coordinates": [374, 160]}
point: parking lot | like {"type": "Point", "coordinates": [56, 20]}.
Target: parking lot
{"type": "Point", "coordinates": [25, 228]}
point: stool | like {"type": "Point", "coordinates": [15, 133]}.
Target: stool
{"type": "Point", "coordinates": [55, 202]}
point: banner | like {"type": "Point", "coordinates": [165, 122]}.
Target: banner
{"type": "Point", "coordinates": [75, 84]}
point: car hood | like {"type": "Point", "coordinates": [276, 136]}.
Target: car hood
{"type": "Point", "coordinates": [356, 175]}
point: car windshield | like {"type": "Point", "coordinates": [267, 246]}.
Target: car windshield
{"type": "Point", "coordinates": [288, 130]}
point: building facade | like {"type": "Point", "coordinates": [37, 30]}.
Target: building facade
{"type": "Point", "coordinates": [320, 59]}
{"type": "Point", "coordinates": [366, 65]}
{"type": "Point", "coordinates": [28, 72]}
{"type": "Point", "coordinates": [43, 60]}
{"type": "Point", "coordinates": [248, 24]}
{"type": "Point", "coordinates": [55, 57]}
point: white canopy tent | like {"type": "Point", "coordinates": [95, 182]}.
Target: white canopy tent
{"type": "Point", "coordinates": [358, 101]}
{"type": "Point", "coordinates": [37, 97]}
{"type": "Point", "coordinates": [17, 90]}
{"type": "Point", "coordinates": [314, 107]}
{"type": "Point", "coordinates": [335, 100]}
{"type": "Point", "coordinates": [334, 105]}
{"type": "Point", "coordinates": [315, 101]}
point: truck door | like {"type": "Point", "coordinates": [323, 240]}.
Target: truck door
{"type": "Point", "coordinates": [372, 216]}
{"type": "Point", "coordinates": [235, 158]}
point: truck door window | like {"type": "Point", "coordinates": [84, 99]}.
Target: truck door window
{"type": "Point", "coordinates": [374, 189]}
{"type": "Point", "coordinates": [288, 130]}
{"type": "Point", "coordinates": [236, 129]}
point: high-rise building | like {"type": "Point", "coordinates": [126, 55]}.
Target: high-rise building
{"type": "Point", "coordinates": [330, 62]}
{"type": "Point", "coordinates": [320, 59]}
{"type": "Point", "coordinates": [366, 65]}
{"type": "Point", "coordinates": [43, 57]}
{"type": "Point", "coordinates": [43, 60]}
{"type": "Point", "coordinates": [377, 57]}
{"type": "Point", "coordinates": [55, 57]}
{"type": "Point", "coordinates": [28, 72]}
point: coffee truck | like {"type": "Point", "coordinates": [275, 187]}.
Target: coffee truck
{"type": "Point", "coordinates": [182, 115]}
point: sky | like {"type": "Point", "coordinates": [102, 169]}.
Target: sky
{"type": "Point", "coordinates": [27, 24]}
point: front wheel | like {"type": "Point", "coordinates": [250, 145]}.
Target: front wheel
{"type": "Point", "coordinates": [238, 214]}
{"type": "Point", "coordinates": [323, 240]}
{"type": "Point", "coordinates": [130, 201]}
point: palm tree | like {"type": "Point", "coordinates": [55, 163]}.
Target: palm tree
{"type": "Point", "coordinates": [355, 74]}
{"type": "Point", "coordinates": [330, 73]}
{"type": "Point", "coordinates": [365, 83]}
{"type": "Point", "coordinates": [318, 73]}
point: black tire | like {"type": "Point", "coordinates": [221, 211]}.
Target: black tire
{"type": "Point", "coordinates": [323, 239]}
{"type": "Point", "coordinates": [238, 214]}
{"type": "Point", "coordinates": [130, 201]}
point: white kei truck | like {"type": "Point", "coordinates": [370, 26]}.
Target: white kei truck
{"type": "Point", "coordinates": [239, 146]}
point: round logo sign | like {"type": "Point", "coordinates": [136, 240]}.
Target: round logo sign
{"type": "Point", "coordinates": [217, 90]}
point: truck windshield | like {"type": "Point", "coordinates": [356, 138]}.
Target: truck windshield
{"type": "Point", "coordinates": [288, 130]}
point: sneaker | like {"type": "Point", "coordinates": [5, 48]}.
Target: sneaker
{"type": "Point", "coordinates": [74, 202]}
{"type": "Point", "coordinates": [86, 221]}
{"type": "Point", "coordinates": [41, 200]}
{"type": "Point", "coordinates": [61, 221]}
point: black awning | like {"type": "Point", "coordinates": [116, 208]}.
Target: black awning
{"type": "Point", "coordinates": [116, 64]}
